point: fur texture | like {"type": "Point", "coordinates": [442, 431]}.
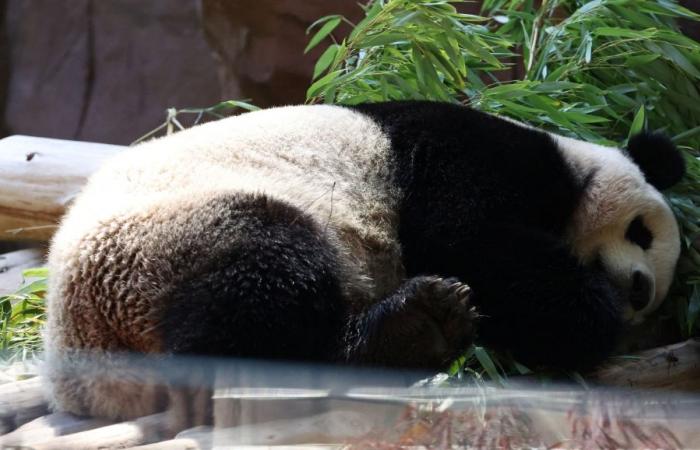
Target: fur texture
{"type": "Point", "coordinates": [331, 233]}
{"type": "Point", "coordinates": [616, 195]}
{"type": "Point", "coordinates": [658, 158]}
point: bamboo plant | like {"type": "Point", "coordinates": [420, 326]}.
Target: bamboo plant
{"type": "Point", "coordinates": [597, 70]}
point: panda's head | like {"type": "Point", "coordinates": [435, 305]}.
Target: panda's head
{"type": "Point", "coordinates": [622, 221]}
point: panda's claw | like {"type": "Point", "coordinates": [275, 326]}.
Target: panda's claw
{"type": "Point", "coordinates": [427, 322]}
{"type": "Point", "coordinates": [447, 301]}
{"type": "Point", "coordinates": [463, 291]}
{"type": "Point", "coordinates": [435, 281]}
{"type": "Point", "coordinates": [454, 288]}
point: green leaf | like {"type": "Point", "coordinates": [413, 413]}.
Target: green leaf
{"type": "Point", "coordinates": [522, 369]}
{"type": "Point", "coordinates": [488, 365]}
{"type": "Point", "coordinates": [324, 31]}
{"type": "Point", "coordinates": [370, 16]}
{"type": "Point", "coordinates": [315, 88]}
{"type": "Point", "coordinates": [325, 60]}
{"type": "Point", "coordinates": [37, 272]}
{"type": "Point", "coordinates": [640, 60]}
{"type": "Point", "coordinates": [380, 40]}
{"type": "Point", "coordinates": [618, 32]}
{"type": "Point", "coordinates": [638, 123]}
{"type": "Point", "coordinates": [584, 118]}
{"type": "Point", "coordinates": [35, 286]}
{"type": "Point", "coordinates": [321, 20]}
{"type": "Point", "coordinates": [232, 104]}
{"type": "Point", "coordinates": [671, 52]}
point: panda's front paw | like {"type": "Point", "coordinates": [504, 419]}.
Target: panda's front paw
{"type": "Point", "coordinates": [426, 323]}
{"type": "Point", "coordinates": [447, 302]}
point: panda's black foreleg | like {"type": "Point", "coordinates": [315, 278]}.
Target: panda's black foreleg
{"type": "Point", "coordinates": [426, 323]}
{"type": "Point", "coordinates": [539, 302]}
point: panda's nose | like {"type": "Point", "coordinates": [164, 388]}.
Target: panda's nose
{"type": "Point", "coordinates": [640, 291]}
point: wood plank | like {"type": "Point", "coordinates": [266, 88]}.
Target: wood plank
{"type": "Point", "coordinates": [21, 402]}
{"type": "Point", "coordinates": [47, 427]}
{"type": "Point", "coordinates": [671, 367]}
{"type": "Point", "coordinates": [40, 177]}
{"type": "Point", "coordinates": [12, 264]}
{"type": "Point", "coordinates": [172, 444]}
{"type": "Point", "coordinates": [143, 430]}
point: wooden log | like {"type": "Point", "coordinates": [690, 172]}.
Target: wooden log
{"type": "Point", "coordinates": [12, 264]}
{"type": "Point", "coordinates": [172, 444]}
{"type": "Point", "coordinates": [21, 402]}
{"type": "Point", "coordinates": [671, 367]}
{"type": "Point", "coordinates": [39, 179]}
{"type": "Point", "coordinates": [143, 430]}
{"type": "Point", "coordinates": [48, 427]}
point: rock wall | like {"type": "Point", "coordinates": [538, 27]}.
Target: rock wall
{"type": "Point", "coordinates": [106, 70]}
{"type": "Point", "coordinates": [103, 70]}
{"type": "Point", "coordinates": [261, 43]}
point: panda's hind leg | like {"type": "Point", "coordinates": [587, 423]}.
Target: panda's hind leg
{"type": "Point", "coordinates": [239, 275]}
{"type": "Point", "coordinates": [274, 292]}
{"type": "Point", "coordinates": [426, 323]}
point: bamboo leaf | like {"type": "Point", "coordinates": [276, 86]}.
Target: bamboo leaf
{"type": "Point", "coordinates": [325, 60]}
{"type": "Point", "coordinates": [319, 84]}
{"type": "Point", "coordinates": [487, 363]}
{"type": "Point", "coordinates": [638, 123]}
{"type": "Point", "coordinates": [324, 31]}
{"type": "Point", "coordinates": [37, 272]}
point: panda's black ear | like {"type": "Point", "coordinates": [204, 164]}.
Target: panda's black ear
{"type": "Point", "coordinates": [661, 162]}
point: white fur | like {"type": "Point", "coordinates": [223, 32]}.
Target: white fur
{"type": "Point", "coordinates": [618, 193]}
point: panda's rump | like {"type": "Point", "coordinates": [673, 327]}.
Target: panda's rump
{"type": "Point", "coordinates": [229, 274]}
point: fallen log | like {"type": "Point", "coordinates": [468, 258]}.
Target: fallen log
{"type": "Point", "coordinates": [143, 430]}
{"type": "Point", "coordinates": [21, 402]}
{"type": "Point", "coordinates": [40, 177]}
{"type": "Point", "coordinates": [674, 367]}
{"type": "Point", "coordinates": [48, 427]}
{"type": "Point", "coordinates": [172, 444]}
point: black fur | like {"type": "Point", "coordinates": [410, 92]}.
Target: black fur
{"type": "Point", "coordinates": [274, 294]}
{"type": "Point", "coordinates": [487, 201]}
{"type": "Point", "coordinates": [484, 200]}
{"type": "Point", "coordinates": [426, 323]}
{"type": "Point", "coordinates": [663, 165]}
{"type": "Point", "coordinates": [639, 234]}
{"type": "Point", "coordinates": [539, 302]}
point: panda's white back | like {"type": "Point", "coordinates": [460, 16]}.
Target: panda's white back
{"type": "Point", "coordinates": [303, 154]}
{"type": "Point", "coordinates": [330, 162]}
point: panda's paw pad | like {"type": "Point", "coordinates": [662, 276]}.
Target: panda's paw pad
{"type": "Point", "coordinates": [443, 296]}
{"type": "Point", "coordinates": [447, 302]}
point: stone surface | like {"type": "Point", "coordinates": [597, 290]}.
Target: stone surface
{"type": "Point", "coordinates": [261, 45]}
{"type": "Point", "coordinates": [103, 70]}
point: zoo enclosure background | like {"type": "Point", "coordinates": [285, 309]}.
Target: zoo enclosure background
{"type": "Point", "coordinates": [106, 70]}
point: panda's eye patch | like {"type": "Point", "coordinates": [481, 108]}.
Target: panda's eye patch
{"type": "Point", "coordinates": [639, 234]}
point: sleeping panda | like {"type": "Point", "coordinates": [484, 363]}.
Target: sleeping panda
{"type": "Point", "coordinates": [374, 234]}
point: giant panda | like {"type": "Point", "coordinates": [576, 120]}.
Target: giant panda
{"type": "Point", "coordinates": [387, 234]}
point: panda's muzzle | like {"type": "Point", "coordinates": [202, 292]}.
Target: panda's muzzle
{"type": "Point", "coordinates": [640, 290]}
